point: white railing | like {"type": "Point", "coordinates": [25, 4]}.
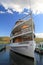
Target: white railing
{"type": "Point", "coordinates": [24, 42]}
{"type": "Point", "coordinates": [21, 23]}
{"type": "Point", "coordinates": [22, 31]}
{"type": "Point", "coordinates": [21, 34]}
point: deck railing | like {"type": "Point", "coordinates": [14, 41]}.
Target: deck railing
{"type": "Point", "coordinates": [22, 31]}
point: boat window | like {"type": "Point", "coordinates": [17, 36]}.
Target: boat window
{"type": "Point", "coordinates": [25, 26]}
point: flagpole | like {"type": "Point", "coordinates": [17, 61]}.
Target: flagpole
{"type": "Point", "coordinates": [32, 21]}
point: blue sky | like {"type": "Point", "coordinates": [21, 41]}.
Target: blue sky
{"type": "Point", "coordinates": [11, 12]}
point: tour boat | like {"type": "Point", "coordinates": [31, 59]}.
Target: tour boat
{"type": "Point", "coordinates": [22, 37]}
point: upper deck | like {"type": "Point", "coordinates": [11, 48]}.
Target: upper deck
{"type": "Point", "coordinates": [22, 27]}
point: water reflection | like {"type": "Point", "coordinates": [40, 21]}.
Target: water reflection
{"type": "Point", "coordinates": [9, 58]}
{"type": "Point", "coordinates": [38, 59]}
{"type": "Point", "coordinates": [20, 60]}
{"type": "Point", "coordinates": [4, 57]}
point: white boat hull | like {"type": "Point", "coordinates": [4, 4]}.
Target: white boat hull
{"type": "Point", "coordinates": [25, 49]}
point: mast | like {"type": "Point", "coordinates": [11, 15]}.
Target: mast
{"type": "Point", "coordinates": [30, 14]}
{"type": "Point", "coordinates": [32, 20]}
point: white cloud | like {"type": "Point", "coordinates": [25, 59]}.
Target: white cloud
{"type": "Point", "coordinates": [37, 8]}
{"type": "Point", "coordinates": [39, 35]}
{"type": "Point", "coordinates": [16, 5]}
{"type": "Point", "coordinates": [1, 12]}
{"type": "Point", "coordinates": [19, 5]}
{"type": "Point", "coordinates": [9, 11]}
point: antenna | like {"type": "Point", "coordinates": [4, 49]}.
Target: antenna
{"type": "Point", "coordinates": [29, 13]}
{"type": "Point", "coordinates": [32, 19]}
{"type": "Point", "coordinates": [26, 16]}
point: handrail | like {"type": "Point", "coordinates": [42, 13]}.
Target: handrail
{"type": "Point", "coordinates": [20, 24]}
{"type": "Point", "coordinates": [21, 34]}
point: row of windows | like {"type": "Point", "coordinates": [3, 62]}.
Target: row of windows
{"type": "Point", "coordinates": [20, 39]}
{"type": "Point", "coordinates": [21, 30]}
{"type": "Point", "coordinates": [25, 27]}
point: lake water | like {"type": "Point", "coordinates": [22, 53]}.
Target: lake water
{"type": "Point", "coordinates": [9, 58]}
{"type": "Point", "coordinates": [38, 59]}
{"type": "Point", "coordinates": [20, 60]}
{"type": "Point", "coordinates": [1, 46]}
